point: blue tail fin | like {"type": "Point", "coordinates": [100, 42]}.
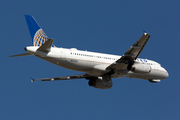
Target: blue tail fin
{"type": "Point", "coordinates": [37, 34]}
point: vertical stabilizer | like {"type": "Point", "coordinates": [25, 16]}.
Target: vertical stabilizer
{"type": "Point", "coordinates": [37, 34]}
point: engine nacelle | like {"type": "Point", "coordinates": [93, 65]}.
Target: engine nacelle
{"type": "Point", "coordinates": [141, 68]}
{"type": "Point", "coordinates": [101, 82]}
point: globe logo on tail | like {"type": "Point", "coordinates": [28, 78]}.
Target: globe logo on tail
{"type": "Point", "coordinates": [39, 38]}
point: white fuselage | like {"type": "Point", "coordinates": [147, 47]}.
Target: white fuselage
{"type": "Point", "coordinates": [94, 63]}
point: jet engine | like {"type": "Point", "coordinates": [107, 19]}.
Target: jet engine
{"type": "Point", "coordinates": [140, 68]}
{"type": "Point", "coordinates": [104, 82]}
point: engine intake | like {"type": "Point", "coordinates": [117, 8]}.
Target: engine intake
{"type": "Point", "coordinates": [104, 82]}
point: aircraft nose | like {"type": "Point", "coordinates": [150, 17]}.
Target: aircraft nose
{"type": "Point", "coordinates": [166, 75]}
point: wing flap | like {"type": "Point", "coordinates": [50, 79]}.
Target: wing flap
{"type": "Point", "coordinates": [131, 55]}
{"type": "Point", "coordinates": [135, 50]}
{"type": "Point", "coordinates": [64, 78]}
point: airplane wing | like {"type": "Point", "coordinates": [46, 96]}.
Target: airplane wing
{"type": "Point", "coordinates": [131, 55]}
{"type": "Point", "coordinates": [64, 78]}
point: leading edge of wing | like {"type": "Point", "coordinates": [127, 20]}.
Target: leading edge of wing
{"type": "Point", "coordinates": [132, 54]}
{"type": "Point", "coordinates": [135, 50]}
{"type": "Point", "coordinates": [80, 76]}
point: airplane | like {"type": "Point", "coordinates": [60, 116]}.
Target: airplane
{"type": "Point", "coordinates": [98, 68]}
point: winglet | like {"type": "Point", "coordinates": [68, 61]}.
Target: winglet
{"type": "Point", "coordinates": [46, 47]}
{"type": "Point", "coordinates": [144, 31]}
{"type": "Point", "coordinates": [32, 79]}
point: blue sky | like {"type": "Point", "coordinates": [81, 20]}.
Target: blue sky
{"type": "Point", "coordinates": [94, 25]}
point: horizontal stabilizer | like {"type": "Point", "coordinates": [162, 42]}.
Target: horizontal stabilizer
{"type": "Point", "coordinates": [46, 47]}
{"type": "Point", "coordinates": [24, 54]}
